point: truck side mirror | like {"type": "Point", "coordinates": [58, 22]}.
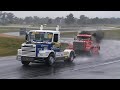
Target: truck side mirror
{"type": "Point", "coordinates": [55, 38]}
{"type": "Point", "coordinates": [75, 38]}
{"type": "Point", "coordinates": [26, 37]}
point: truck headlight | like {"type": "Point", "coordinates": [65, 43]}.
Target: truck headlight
{"type": "Point", "coordinates": [66, 53]}
{"type": "Point", "coordinates": [19, 52]}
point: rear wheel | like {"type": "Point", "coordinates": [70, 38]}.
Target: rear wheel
{"type": "Point", "coordinates": [71, 58]}
{"type": "Point", "coordinates": [94, 51]}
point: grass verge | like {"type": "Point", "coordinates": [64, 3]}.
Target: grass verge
{"type": "Point", "coordinates": [9, 45]}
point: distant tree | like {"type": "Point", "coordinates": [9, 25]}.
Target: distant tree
{"type": "Point", "coordinates": [36, 20]}
{"type": "Point", "coordinates": [95, 20]}
{"type": "Point", "coordinates": [1, 17]}
{"type": "Point", "coordinates": [57, 20]}
{"type": "Point", "coordinates": [69, 19]}
{"type": "Point", "coordinates": [16, 20]}
{"type": "Point", "coordinates": [21, 21]}
{"type": "Point", "coordinates": [49, 21]}
{"type": "Point", "coordinates": [83, 20]}
{"type": "Point", "coordinates": [44, 20]}
{"type": "Point", "coordinates": [10, 17]}
{"type": "Point", "coordinates": [28, 20]}
{"type": "Point", "coordinates": [4, 19]}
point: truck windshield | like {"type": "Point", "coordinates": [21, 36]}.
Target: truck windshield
{"type": "Point", "coordinates": [41, 36]}
{"type": "Point", "coordinates": [83, 38]}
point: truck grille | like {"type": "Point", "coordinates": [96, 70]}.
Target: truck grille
{"type": "Point", "coordinates": [78, 45]}
{"type": "Point", "coordinates": [28, 51]}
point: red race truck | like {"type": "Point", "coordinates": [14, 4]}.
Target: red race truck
{"type": "Point", "coordinates": [85, 43]}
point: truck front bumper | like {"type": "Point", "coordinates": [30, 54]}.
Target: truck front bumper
{"type": "Point", "coordinates": [31, 59]}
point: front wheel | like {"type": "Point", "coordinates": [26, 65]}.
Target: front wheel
{"type": "Point", "coordinates": [25, 63]}
{"type": "Point", "coordinates": [50, 60]}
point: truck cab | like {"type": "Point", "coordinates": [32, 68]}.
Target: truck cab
{"type": "Point", "coordinates": [43, 46]}
{"type": "Point", "coordinates": [85, 43]}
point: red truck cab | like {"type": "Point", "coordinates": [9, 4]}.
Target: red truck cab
{"type": "Point", "coordinates": [86, 39]}
{"type": "Point", "coordinates": [85, 43]}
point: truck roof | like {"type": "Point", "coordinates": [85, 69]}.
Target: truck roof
{"type": "Point", "coordinates": [52, 31]}
{"type": "Point", "coordinates": [86, 35]}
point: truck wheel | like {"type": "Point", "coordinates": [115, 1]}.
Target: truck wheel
{"type": "Point", "coordinates": [99, 48]}
{"type": "Point", "coordinates": [50, 60]}
{"type": "Point", "coordinates": [97, 51]}
{"type": "Point", "coordinates": [25, 63]}
{"type": "Point", "coordinates": [94, 51]}
{"type": "Point", "coordinates": [71, 58]}
{"type": "Point", "coordinates": [90, 53]}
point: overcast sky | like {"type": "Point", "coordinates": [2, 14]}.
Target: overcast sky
{"type": "Point", "coordinates": [54, 14]}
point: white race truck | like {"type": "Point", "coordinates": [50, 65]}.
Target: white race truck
{"type": "Point", "coordinates": [43, 46]}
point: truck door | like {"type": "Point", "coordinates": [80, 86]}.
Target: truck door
{"type": "Point", "coordinates": [56, 43]}
{"type": "Point", "coordinates": [57, 46]}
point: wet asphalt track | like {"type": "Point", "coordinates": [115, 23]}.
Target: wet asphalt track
{"type": "Point", "coordinates": [83, 67]}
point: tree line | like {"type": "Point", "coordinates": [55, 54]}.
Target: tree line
{"type": "Point", "coordinates": [10, 18]}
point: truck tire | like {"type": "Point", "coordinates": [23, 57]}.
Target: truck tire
{"type": "Point", "coordinates": [25, 63]}
{"type": "Point", "coordinates": [71, 58]}
{"type": "Point", "coordinates": [99, 48]}
{"type": "Point", "coordinates": [90, 53]}
{"type": "Point", "coordinates": [50, 60]}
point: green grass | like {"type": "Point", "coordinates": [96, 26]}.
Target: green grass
{"type": "Point", "coordinates": [112, 34]}
{"type": "Point", "coordinates": [8, 30]}
{"type": "Point", "coordinates": [9, 46]}
{"type": "Point", "coordinates": [69, 34]}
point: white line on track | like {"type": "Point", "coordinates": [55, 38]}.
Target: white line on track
{"type": "Point", "coordinates": [92, 66]}
{"type": "Point", "coordinates": [87, 67]}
